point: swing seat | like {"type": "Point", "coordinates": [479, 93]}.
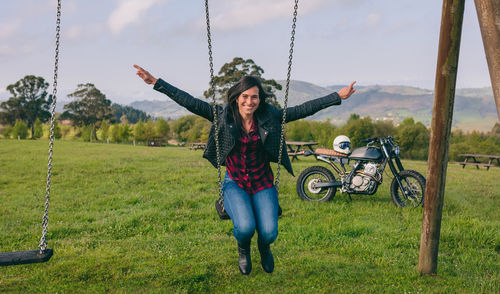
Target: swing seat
{"type": "Point", "coordinates": [25, 257]}
{"type": "Point", "coordinates": [220, 211]}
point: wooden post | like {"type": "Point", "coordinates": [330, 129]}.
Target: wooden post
{"type": "Point", "coordinates": [488, 13]}
{"type": "Point", "coordinates": [442, 115]}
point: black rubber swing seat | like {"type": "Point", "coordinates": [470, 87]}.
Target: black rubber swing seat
{"type": "Point", "coordinates": [25, 257]}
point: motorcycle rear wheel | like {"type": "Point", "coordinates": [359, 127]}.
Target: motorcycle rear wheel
{"type": "Point", "coordinates": [414, 185]}
{"type": "Point", "coordinates": [310, 176]}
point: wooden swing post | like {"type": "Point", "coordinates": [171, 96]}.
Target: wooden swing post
{"type": "Point", "coordinates": [488, 13]}
{"type": "Point", "coordinates": [442, 115]}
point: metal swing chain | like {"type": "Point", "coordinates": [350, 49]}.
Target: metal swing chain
{"type": "Point", "coordinates": [45, 219]}
{"type": "Point", "coordinates": [285, 102]}
{"type": "Point", "coordinates": [214, 103]}
{"type": "Point", "coordinates": [212, 87]}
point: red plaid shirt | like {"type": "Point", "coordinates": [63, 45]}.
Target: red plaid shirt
{"type": "Point", "coordinates": [247, 164]}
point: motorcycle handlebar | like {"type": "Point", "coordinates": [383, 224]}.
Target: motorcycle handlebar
{"type": "Point", "coordinates": [307, 153]}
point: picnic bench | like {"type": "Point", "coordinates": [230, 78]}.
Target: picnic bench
{"type": "Point", "coordinates": [155, 142]}
{"type": "Point", "coordinates": [476, 162]}
{"type": "Point", "coordinates": [296, 148]}
{"type": "Point", "coordinates": [196, 146]}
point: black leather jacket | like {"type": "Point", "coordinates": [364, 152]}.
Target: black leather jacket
{"type": "Point", "coordinates": [268, 119]}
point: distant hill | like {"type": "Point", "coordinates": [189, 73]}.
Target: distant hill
{"type": "Point", "coordinates": [165, 108]}
{"type": "Point", "coordinates": [474, 109]}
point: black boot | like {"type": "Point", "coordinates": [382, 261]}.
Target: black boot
{"type": "Point", "coordinates": [266, 257]}
{"type": "Point", "coordinates": [244, 262]}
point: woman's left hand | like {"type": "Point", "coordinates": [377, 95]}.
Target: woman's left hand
{"type": "Point", "coordinates": [346, 92]}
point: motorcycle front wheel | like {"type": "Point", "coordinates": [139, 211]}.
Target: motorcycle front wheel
{"type": "Point", "coordinates": [413, 189]}
{"type": "Point", "coordinates": [306, 184]}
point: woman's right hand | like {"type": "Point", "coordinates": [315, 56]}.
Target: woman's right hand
{"type": "Point", "coordinates": [145, 75]}
{"type": "Point", "coordinates": [346, 92]}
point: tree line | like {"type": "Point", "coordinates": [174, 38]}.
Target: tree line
{"type": "Point", "coordinates": [94, 118]}
{"type": "Point", "coordinates": [412, 137]}
{"type": "Point", "coordinates": [29, 105]}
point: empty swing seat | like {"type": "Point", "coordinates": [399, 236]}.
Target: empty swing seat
{"type": "Point", "coordinates": [25, 257]}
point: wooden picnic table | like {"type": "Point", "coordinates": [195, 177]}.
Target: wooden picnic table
{"type": "Point", "coordinates": [476, 162]}
{"type": "Point", "coordinates": [295, 148]}
{"type": "Point", "coordinates": [198, 145]}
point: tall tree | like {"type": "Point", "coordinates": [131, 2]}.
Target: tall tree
{"type": "Point", "coordinates": [29, 101]}
{"type": "Point", "coordinates": [357, 129]}
{"type": "Point", "coordinates": [133, 115]}
{"type": "Point", "coordinates": [233, 71]}
{"type": "Point", "coordinates": [413, 139]}
{"type": "Point", "coordinates": [89, 108]}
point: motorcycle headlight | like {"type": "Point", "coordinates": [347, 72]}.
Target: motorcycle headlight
{"type": "Point", "coordinates": [395, 150]}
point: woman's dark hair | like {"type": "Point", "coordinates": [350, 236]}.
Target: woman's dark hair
{"type": "Point", "coordinates": [241, 86]}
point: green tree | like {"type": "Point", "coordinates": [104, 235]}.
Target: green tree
{"type": "Point", "coordinates": [114, 131]}
{"type": "Point", "coordinates": [233, 71]}
{"type": "Point", "coordinates": [413, 139]}
{"type": "Point", "coordinates": [162, 128]}
{"type": "Point", "coordinates": [192, 128]}
{"type": "Point", "coordinates": [29, 101]}
{"type": "Point", "coordinates": [57, 131]}
{"type": "Point", "coordinates": [85, 133]}
{"type": "Point", "coordinates": [383, 128]}
{"type": "Point", "coordinates": [104, 130]}
{"type": "Point", "coordinates": [324, 133]}
{"type": "Point", "coordinates": [357, 129]}
{"type": "Point", "coordinates": [139, 131]}
{"type": "Point", "coordinates": [125, 132]}
{"type": "Point", "coordinates": [38, 129]}
{"type": "Point", "coordinates": [149, 130]}
{"type": "Point", "coordinates": [303, 130]}
{"type": "Point", "coordinates": [89, 108]}
{"type": "Point", "coordinates": [495, 131]}
{"type": "Point", "coordinates": [20, 130]}
{"type": "Point", "coordinates": [299, 130]}
{"type": "Point", "coordinates": [7, 131]}
{"type": "Point", "coordinates": [133, 115]}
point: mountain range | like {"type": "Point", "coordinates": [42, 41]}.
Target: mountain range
{"type": "Point", "coordinates": [474, 108]}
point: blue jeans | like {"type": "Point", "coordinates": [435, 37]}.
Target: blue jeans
{"type": "Point", "coordinates": [250, 212]}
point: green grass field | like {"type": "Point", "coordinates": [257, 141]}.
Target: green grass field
{"type": "Point", "coordinates": [137, 219]}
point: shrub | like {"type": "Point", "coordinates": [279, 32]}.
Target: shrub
{"type": "Point", "coordinates": [38, 129]}
{"type": "Point", "coordinates": [20, 130]}
{"type": "Point", "coordinates": [85, 133]}
{"type": "Point", "coordinates": [104, 130]}
{"type": "Point", "coordinates": [162, 128]}
{"type": "Point", "coordinates": [6, 131]}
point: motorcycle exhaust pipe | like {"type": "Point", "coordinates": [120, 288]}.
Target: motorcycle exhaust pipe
{"type": "Point", "coordinates": [335, 184]}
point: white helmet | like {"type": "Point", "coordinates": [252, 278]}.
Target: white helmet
{"type": "Point", "coordinates": [342, 144]}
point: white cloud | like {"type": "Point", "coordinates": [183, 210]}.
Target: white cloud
{"type": "Point", "coordinates": [6, 50]}
{"type": "Point", "coordinates": [84, 33]}
{"type": "Point", "coordinates": [128, 12]}
{"type": "Point", "coordinates": [373, 19]}
{"type": "Point", "coordinates": [236, 15]}
{"type": "Point", "coordinates": [7, 29]}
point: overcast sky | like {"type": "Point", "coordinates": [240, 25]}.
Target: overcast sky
{"type": "Point", "coordinates": [337, 41]}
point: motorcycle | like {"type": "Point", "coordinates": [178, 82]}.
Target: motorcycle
{"type": "Point", "coordinates": [317, 183]}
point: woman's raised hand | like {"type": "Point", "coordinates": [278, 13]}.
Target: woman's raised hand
{"type": "Point", "coordinates": [346, 92]}
{"type": "Point", "coordinates": [145, 75]}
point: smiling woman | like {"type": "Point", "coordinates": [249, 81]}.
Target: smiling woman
{"type": "Point", "coordinates": [249, 132]}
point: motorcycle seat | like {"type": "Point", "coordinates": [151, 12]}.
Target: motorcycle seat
{"type": "Point", "coordinates": [329, 152]}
